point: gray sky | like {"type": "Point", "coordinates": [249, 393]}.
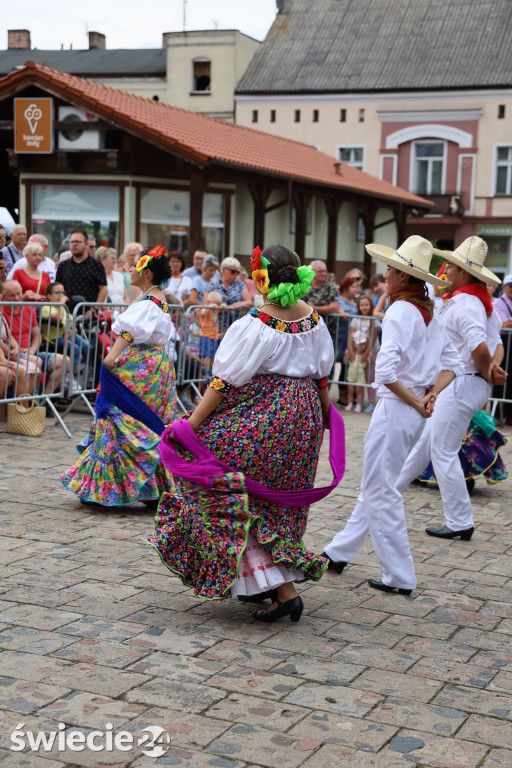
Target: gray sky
{"type": "Point", "coordinates": [61, 22]}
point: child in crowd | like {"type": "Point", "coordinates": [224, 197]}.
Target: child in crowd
{"type": "Point", "coordinates": [210, 331]}
{"type": "Point", "coordinates": [362, 334]}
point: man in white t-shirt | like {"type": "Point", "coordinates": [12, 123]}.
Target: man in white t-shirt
{"type": "Point", "coordinates": [47, 265]}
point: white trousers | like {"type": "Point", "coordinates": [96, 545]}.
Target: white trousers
{"type": "Point", "coordinates": [394, 429]}
{"type": "Point", "coordinates": [440, 443]}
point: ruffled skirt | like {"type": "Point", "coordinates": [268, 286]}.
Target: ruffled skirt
{"type": "Point", "coordinates": [479, 452]}
{"type": "Point", "coordinates": [221, 540]}
{"type": "Point", "coordinates": [119, 461]}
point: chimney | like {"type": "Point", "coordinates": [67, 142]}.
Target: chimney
{"type": "Point", "coordinates": [18, 38]}
{"type": "Point", "coordinates": [97, 40]}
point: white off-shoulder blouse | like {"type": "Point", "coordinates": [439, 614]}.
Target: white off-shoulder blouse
{"type": "Point", "coordinates": [145, 322]}
{"type": "Point", "coordinates": [259, 344]}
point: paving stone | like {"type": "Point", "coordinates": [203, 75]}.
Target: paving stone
{"type": "Point", "coordinates": [91, 711]}
{"type": "Point", "coordinates": [185, 758]}
{"type": "Point", "coordinates": [439, 649]}
{"type": "Point", "coordinates": [424, 748]}
{"type": "Point", "coordinates": [95, 606]}
{"type": "Point", "coordinates": [321, 671]}
{"type": "Point", "coordinates": [182, 697]}
{"type": "Point", "coordinates": [262, 747]}
{"type": "Point", "coordinates": [472, 700]}
{"type": "Point", "coordinates": [338, 756]}
{"type": "Point", "coordinates": [38, 617]}
{"type": "Point", "coordinates": [497, 758]}
{"type": "Point", "coordinates": [95, 678]}
{"type": "Point", "coordinates": [421, 627]}
{"type": "Point", "coordinates": [371, 656]}
{"type": "Point", "coordinates": [102, 629]}
{"type": "Point", "coordinates": [398, 685]}
{"type": "Point", "coordinates": [28, 666]}
{"type": "Point", "coordinates": [257, 681]}
{"type": "Point", "coordinates": [162, 639]}
{"type": "Point", "coordinates": [253, 710]}
{"type": "Point", "coordinates": [492, 641]}
{"type": "Point", "coordinates": [26, 697]}
{"type": "Point", "coordinates": [32, 640]}
{"type": "Point", "coordinates": [334, 698]}
{"type": "Point", "coordinates": [488, 730]}
{"type": "Point", "coordinates": [108, 652]}
{"type": "Point", "coordinates": [296, 642]}
{"type": "Point", "coordinates": [185, 730]}
{"type": "Point", "coordinates": [442, 721]}
{"type": "Point", "coordinates": [232, 652]}
{"type": "Point", "coordinates": [343, 730]}
{"type": "Point", "coordinates": [453, 672]}
{"type": "Point", "coordinates": [176, 667]}
{"type": "Point", "coordinates": [29, 760]}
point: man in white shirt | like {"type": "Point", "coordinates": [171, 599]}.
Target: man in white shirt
{"type": "Point", "coordinates": [196, 270]}
{"type": "Point", "coordinates": [473, 327]}
{"type": "Point", "coordinates": [13, 252]}
{"type": "Point", "coordinates": [47, 265]}
{"type": "Point", "coordinates": [415, 362]}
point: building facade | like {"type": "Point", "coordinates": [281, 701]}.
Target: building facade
{"type": "Point", "coordinates": [420, 97]}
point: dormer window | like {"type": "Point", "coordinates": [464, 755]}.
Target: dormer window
{"type": "Point", "coordinates": [201, 76]}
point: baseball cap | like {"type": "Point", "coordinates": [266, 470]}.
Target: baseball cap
{"type": "Point", "coordinates": [507, 280]}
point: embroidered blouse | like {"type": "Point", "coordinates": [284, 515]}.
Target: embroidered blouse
{"type": "Point", "coordinates": [145, 322]}
{"type": "Point", "coordinates": [259, 344]}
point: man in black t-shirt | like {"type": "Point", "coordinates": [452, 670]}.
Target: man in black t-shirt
{"type": "Point", "coordinates": [82, 275]}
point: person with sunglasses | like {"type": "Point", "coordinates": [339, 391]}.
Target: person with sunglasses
{"type": "Point", "coordinates": [232, 289]}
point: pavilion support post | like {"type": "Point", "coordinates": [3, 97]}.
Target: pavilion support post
{"type": "Point", "coordinates": [301, 201]}
{"type": "Point", "coordinates": [197, 190]}
{"type": "Point", "coordinates": [369, 211]}
{"type": "Point", "coordinates": [260, 194]}
{"type": "Point", "coordinates": [332, 206]}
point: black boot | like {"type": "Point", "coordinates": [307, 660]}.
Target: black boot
{"type": "Point", "coordinates": [446, 533]}
{"type": "Point", "coordinates": [379, 584]}
{"type": "Point", "coordinates": [337, 567]}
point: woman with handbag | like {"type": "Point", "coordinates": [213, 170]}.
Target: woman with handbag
{"type": "Point", "coordinates": [261, 416]}
{"type": "Point", "coordinates": [119, 460]}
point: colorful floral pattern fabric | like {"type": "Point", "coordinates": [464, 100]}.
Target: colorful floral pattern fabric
{"type": "Point", "coordinates": [270, 428]}
{"type": "Point", "coordinates": [119, 460]}
{"type": "Point", "coordinates": [478, 456]}
{"type": "Point", "coordinates": [287, 326]}
{"type": "Point", "coordinates": [221, 386]}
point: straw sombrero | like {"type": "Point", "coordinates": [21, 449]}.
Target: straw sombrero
{"type": "Point", "coordinates": [470, 256]}
{"type": "Point", "coordinates": [413, 257]}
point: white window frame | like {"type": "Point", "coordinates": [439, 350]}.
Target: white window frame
{"type": "Point", "coordinates": [362, 164]}
{"type": "Point", "coordinates": [412, 166]}
{"type": "Point", "coordinates": [200, 60]}
{"type": "Point", "coordinates": [496, 162]}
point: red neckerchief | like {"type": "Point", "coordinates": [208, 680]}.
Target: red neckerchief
{"type": "Point", "coordinates": [474, 289]}
{"type": "Point", "coordinates": [414, 293]}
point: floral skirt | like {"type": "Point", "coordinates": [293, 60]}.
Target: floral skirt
{"type": "Point", "coordinates": [270, 428]}
{"type": "Point", "coordinates": [119, 460]}
{"type": "Point", "coordinates": [479, 452]}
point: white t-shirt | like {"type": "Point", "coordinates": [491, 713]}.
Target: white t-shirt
{"type": "Point", "coordinates": [180, 286]}
{"type": "Point", "coordinates": [116, 287]}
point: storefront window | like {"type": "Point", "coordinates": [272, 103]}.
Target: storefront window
{"type": "Point", "coordinates": [165, 217]}
{"type": "Point", "coordinates": [58, 209]}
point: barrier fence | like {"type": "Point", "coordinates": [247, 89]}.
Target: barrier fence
{"type": "Point", "coordinates": [53, 357]}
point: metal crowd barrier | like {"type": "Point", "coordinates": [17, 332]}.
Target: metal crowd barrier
{"type": "Point", "coordinates": [31, 367]}
{"type": "Point", "coordinates": [502, 396]}
{"type": "Point", "coordinates": [361, 375]}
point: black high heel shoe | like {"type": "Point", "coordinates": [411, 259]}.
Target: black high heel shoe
{"type": "Point", "coordinates": [292, 608]}
{"type": "Point", "coordinates": [446, 533]}
{"type": "Point", "coordinates": [259, 597]}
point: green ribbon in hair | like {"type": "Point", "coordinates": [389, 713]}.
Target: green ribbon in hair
{"type": "Point", "coordinates": [289, 293]}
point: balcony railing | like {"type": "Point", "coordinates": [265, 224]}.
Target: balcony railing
{"type": "Point", "coordinates": [444, 205]}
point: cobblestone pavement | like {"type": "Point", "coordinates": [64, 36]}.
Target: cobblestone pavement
{"type": "Point", "coordinates": [94, 630]}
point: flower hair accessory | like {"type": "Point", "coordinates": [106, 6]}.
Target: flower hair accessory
{"type": "Point", "coordinates": [441, 273]}
{"type": "Point", "coordinates": [259, 266]}
{"type": "Point", "coordinates": [289, 293]}
{"type": "Point", "coordinates": [150, 256]}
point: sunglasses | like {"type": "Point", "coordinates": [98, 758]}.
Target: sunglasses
{"type": "Point", "coordinates": [233, 271]}
{"type": "Point", "coordinates": [359, 279]}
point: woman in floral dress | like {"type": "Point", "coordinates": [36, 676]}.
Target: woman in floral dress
{"type": "Point", "coordinates": [119, 460]}
{"type": "Point", "coordinates": [262, 414]}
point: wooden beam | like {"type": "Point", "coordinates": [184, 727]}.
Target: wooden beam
{"type": "Point", "coordinates": [195, 234]}
{"type": "Point", "coordinates": [332, 205]}
{"type": "Point", "coordinates": [301, 201]}
{"type": "Point", "coordinates": [260, 194]}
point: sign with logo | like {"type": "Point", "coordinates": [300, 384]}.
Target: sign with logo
{"type": "Point", "coordinates": [495, 230]}
{"type": "Point", "coordinates": [33, 126]}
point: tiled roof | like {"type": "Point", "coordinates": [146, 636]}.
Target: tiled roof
{"type": "Point", "coordinates": [381, 45]}
{"type": "Point", "coordinates": [94, 62]}
{"type": "Point", "coordinates": [205, 140]}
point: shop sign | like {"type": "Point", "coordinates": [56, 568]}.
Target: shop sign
{"type": "Point", "coordinates": [33, 126]}
{"type": "Point", "coordinates": [495, 230]}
